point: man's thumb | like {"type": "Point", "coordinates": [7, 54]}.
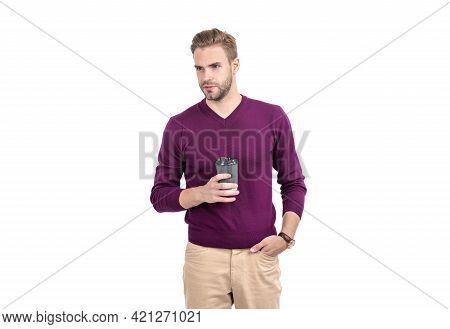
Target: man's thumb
{"type": "Point", "coordinates": [255, 248]}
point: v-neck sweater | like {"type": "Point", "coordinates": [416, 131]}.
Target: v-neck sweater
{"type": "Point", "coordinates": [256, 133]}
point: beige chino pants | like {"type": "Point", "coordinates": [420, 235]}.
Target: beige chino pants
{"type": "Point", "coordinates": [218, 278]}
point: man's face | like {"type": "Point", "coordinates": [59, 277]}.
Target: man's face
{"type": "Point", "coordinates": [214, 73]}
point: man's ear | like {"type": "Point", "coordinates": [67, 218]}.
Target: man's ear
{"type": "Point", "coordinates": [235, 65]}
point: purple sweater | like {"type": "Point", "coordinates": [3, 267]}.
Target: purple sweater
{"type": "Point", "coordinates": [259, 136]}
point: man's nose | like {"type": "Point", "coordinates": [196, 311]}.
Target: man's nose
{"type": "Point", "coordinates": [208, 77]}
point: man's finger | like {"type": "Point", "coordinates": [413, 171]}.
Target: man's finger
{"type": "Point", "coordinates": [220, 176]}
{"type": "Point", "coordinates": [227, 192]}
{"type": "Point", "coordinates": [256, 247]}
{"type": "Point", "coordinates": [227, 186]}
{"type": "Point", "coordinates": [225, 199]}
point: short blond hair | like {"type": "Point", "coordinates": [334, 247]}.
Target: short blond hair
{"type": "Point", "coordinates": [213, 37]}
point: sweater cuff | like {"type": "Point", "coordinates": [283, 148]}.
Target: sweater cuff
{"type": "Point", "coordinates": [294, 207]}
{"type": "Point", "coordinates": [174, 200]}
{"type": "Point", "coordinates": [170, 201]}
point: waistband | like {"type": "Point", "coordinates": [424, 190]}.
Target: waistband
{"type": "Point", "coordinates": [228, 240]}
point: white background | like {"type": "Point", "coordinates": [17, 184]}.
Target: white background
{"type": "Point", "coordinates": [373, 242]}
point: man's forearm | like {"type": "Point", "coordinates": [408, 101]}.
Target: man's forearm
{"type": "Point", "coordinates": [190, 197]}
{"type": "Point", "coordinates": [290, 223]}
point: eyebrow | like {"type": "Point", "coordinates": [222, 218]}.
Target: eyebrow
{"type": "Point", "coordinates": [212, 64]}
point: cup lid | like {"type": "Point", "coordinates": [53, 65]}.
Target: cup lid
{"type": "Point", "coordinates": [226, 161]}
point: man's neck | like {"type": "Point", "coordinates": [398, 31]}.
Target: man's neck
{"type": "Point", "coordinates": [225, 106]}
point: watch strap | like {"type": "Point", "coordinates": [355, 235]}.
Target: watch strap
{"type": "Point", "coordinates": [287, 238]}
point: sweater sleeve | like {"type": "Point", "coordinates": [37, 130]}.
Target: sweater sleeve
{"type": "Point", "coordinates": [166, 189]}
{"type": "Point", "coordinates": [287, 165]}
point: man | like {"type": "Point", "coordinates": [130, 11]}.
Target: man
{"type": "Point", "coordinates": [232, 250]}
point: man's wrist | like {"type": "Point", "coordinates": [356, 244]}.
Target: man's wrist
{"type": "Point", "coordinates": [197, 194]}
{"type": "Point", "coordinates": [288, 239]}
{"type": "Point", "coordinates": [190, 197]}
{"type": "Point", "coordinates": [285, 242]}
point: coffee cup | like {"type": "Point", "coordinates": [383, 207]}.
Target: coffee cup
{"type": "Point", "coordinates": [227, 165]}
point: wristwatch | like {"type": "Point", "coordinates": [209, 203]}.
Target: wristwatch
{"type": "Point", "coordinates": [288, 239]}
